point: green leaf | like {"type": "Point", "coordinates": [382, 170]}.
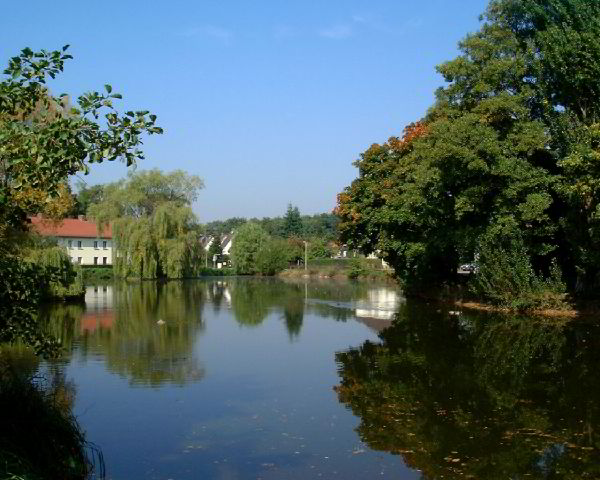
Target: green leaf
{"type": "Point", "coordinates": [108, 88]}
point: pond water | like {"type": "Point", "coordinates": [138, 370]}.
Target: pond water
{"type": "Point", "coordinates": [260, 379]}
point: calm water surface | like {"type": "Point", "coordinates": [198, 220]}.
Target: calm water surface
{"type": "Point", "coordinates": [237, 383]}
{"type": "Point", "coordinates": [248, 378]}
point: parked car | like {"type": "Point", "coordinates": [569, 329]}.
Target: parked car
{"type": "Point", "coordinates": [469, 267]}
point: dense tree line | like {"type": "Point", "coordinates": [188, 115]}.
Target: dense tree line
{"type": "Point", "coordinates": [322, 225]}
{"type": "Point", "coordinates": [503, 167]}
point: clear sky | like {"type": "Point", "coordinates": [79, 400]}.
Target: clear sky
{"type": "Point", "coordinates": [269, 102]}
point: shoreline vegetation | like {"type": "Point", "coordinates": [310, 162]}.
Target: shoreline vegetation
{"type": "Point", "coordinates": [342, 269]}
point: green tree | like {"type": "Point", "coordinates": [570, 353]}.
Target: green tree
{"type": "Point", "coordinates": [142, 192]}
{"type": "Point", "coordinates": [44, 140]}
{"type": "Point", "coordinates": [273, 257]}
{"type": "Point", "coordinates": [511, 140]}
{"type": "Point", "coordinates": [215, 248]}
{"type": "Point", "coordinates": [223, 227]}
{"type": "Point", "coordinates": [292, 222]}
{"type": "Point", "coordinates": [156, 233]}
{"type": "Point", "coordinates": [249, 239]}
{"type": "Point", "coordinates": [87, 196]}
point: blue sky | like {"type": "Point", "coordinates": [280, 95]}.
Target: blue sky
{"type": "Point", "coordinates": [269, 102]}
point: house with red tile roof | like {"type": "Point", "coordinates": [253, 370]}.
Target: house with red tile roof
{"type": "Point", "coordinates": [84, 242]}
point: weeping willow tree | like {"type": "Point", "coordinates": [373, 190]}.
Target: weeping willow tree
{"type": "Point", "coordinates": [155, 232]}
{"type": "Point", "coordinates": [164, 244]}
{"type": "Point", "coordinates": [65, 281]}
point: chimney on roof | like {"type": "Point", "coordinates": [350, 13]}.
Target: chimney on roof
{"type": "Point", "coordinates": [81, 217]}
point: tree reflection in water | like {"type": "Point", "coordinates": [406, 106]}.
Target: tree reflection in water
{"type": "Point", "coordinates": [124, 322]}
{"type": "Point", "coordinates": [478, 396]}
{"type": "Point", "coordinates": [132, 337]}
{"type": "Point", "coordinates": [252, 302]}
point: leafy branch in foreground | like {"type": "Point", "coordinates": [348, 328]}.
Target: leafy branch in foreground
{"type": "Point", "coordinates": [43, 138]}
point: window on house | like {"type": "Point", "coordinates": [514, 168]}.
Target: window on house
{"type": "Point", "coordinates": [104, 244]}
{"type": "Point", "coordinates": [79, 244]}
{"type": "Point", "coordinates": [95, 260]}
{"type": "Point", "coordinates": [79, 260]}
{"type": "Point", "coordinates": [95, 244]}
{"type": "Point", "coordinates": [104, 260]}
{"type": "Point", "coordinates": [70, 243]}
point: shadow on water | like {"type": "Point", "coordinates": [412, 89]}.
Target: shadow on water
{"type": "Point", "coordinates": [479, 396]}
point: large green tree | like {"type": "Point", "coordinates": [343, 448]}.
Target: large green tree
{"type": "Point", "coordinates": [505, 156]}
{"type": "Point", "coordinates": [142, 192]}
{"type": "Point", "coordinates": [155, 231]}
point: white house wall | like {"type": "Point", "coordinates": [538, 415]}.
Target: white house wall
{"type": "Point", "coordinates": [86, 252]}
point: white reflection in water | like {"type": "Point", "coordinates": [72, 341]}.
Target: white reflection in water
{"type": "Point", "coordinates": [381, 303]}
{"type": "Point", "coordinates": [99, 297]}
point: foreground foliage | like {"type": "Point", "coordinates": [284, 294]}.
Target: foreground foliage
{"type": "Point", "coordinates": [511, 145]}
{"type": "Point", "coordinates": [43, 140]}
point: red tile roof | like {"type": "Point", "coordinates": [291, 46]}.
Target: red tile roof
{"type": "Point", "coordinates": [69, 227]}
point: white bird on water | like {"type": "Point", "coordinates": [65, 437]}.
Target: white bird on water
{"type": "Point", "coordinates": [160, 322]}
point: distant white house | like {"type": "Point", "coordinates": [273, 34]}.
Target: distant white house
{"type": "Point", "coordinates": [226, 241]}
{"type": "Point", "coordinates": [80, 237]}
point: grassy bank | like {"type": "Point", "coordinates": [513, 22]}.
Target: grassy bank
{"type": "Point", "coordinates": [342, 268]}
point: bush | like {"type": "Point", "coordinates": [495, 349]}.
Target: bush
{"type": "Point", "coordinates": [273, 257]}
{"type": "Point", "coordinates": [356, 269]}
{"type": "Point", "coordinates": [506, 277]}
{"type": "Point", "coordinates": [319, 248]}
{"type": "Point", "coordinates": [215, 272]}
